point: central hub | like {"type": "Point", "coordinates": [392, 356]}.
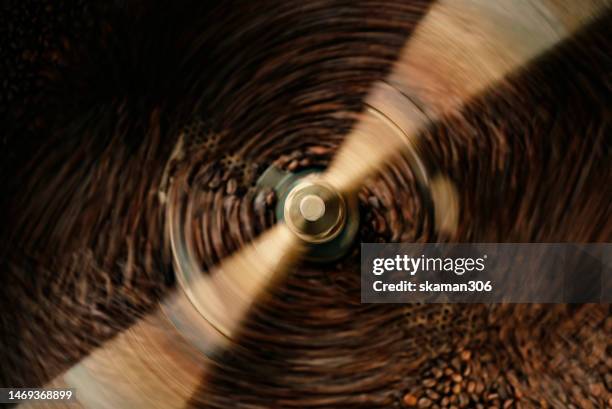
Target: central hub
{"type": "Point", "coordinates": [312, 208]}
{"type": "Point", "coordinates": [314, 211]}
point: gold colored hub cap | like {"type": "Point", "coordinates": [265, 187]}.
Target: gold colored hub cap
{"type": "Point", "coordinates": [314, 211]}
{"type": "Point", "coordinates": [312, 208]}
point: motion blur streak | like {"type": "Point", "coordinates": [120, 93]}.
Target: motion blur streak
{"type": "Point", "coordinates": [224, 296]}
{"type": "Point", "coordinates": [148, 366]}
{"type": "Point", "coordinates": [459, 49]}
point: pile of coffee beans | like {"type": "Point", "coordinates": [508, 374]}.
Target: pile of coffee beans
{"type": "Point", "coordinates": [467, 379]}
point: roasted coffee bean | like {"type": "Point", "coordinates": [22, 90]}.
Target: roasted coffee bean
{"type": "Point", "coordinates": [232, 186]}
{"type": "Point", "coordinates": [429, 383]}
{"type": "Point", "coordinates": [293, 165]}
{"type": "Point", "coordinates": [431, 394]}
{"type": "Point", "coordinates": [410, 400]}
{"type": "Point", "coordinates": [425, 403]}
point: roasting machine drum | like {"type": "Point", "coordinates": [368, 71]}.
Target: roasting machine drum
{"type": "Point", "coordinates": [280, 137]}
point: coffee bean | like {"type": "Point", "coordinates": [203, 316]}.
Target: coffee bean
{"type": "Point", "coordinates": [319, 150]}
{"type": "Point", "coordinates": [410, 400]}
{"type": "Point", "coordinates": [429, 383]}
{"type": "Point", "coordinates": [232, 186]}
{"type": "Point", "coordinates": [437, 373]}
{"type": "Point", "coordinates": [457, 389]}
{"type": "Point", "coordinates": [431, 394]}
{"type": "Point", "coordinates": [293, 165]}
{"type": "Point", "coordinates": [479, 387]}
{"type": "Point", "coordinates": [425, 403]}
{"type": "Point", "coordinates": [456, 364]}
